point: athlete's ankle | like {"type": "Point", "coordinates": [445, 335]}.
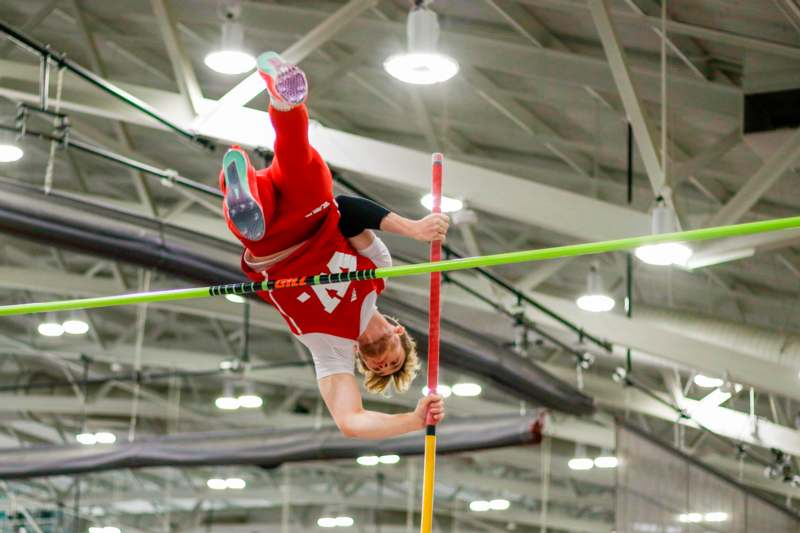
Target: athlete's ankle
{"type": "Point", "coordinates": [280, 105]}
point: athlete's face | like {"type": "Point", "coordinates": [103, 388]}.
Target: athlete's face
{"type": "Point", "coordinates": [384, 355]}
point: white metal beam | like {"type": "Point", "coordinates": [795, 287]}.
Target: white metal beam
{"type": "Point", "coordinates": [524, 119]}
{"type": "Point", "coordinates": [269, 496]}
{"type": "Point", "coordinates": [33, 21]}
{"type": "Point", "coordinates": [760, 367]}
{"type": "Point", "coordinates": [642, 128]}
{"type": "Point", "coordinates": [47, 282]}
{"type": "Point", "coordinates": [681, 28]}
{"type": "Point", "coordinates": [771, 171]}
{"type": "Point", "coordinates": [139, 181]}
{"type": "Point", "coordinates": [71, 405]}
{"type": "Point", "coordinates": [181, 65]}
{"type": "Point", "coordinates": [503, 55]}
{"type": "Point", "coordinates": [726, 422]}
{"type": "Point", "coordinates": [686, 169]}
{"type": "Point", "coordinates": [253, 85]}
{"type": "Point", "coordinates": [541, 273]}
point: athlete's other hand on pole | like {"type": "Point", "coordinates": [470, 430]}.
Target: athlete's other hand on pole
{"type": "Point", "coordinates": [431, 228]}
{"type": "Point", "coordinates": [433, 404]}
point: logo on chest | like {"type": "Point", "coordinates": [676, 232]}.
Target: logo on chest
{"type": "Point", "coordinates": [331, 295]}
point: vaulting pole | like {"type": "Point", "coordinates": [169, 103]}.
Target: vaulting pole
{"type": "Point", "coordinates": [719, 232]}
{"type": "Point", "coordinates": [434, 313]}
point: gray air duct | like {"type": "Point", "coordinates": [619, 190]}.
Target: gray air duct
{"type": "Point", "coordinates": [265, 448]}
{"type": "Point", "coordinates": [72, 223]}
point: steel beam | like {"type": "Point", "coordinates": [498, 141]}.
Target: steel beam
{"type": "Point", "coordinates": [181, 65]}
{"type": "Point", "coordinates": [687, 169]}
{"type": "Point", "coordinates": [34, 20]}
{"type": "Point", "coordinates": [253, 85]}
{"type": "Point", "coordinates": [644, 133]}
{"type": "Point", "coordinates": [681, 28]}
{"type": "Point", "coordinates": [783, 159]}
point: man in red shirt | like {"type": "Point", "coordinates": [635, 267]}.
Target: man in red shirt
{"type": "Point", "coordinates": [290, 225]}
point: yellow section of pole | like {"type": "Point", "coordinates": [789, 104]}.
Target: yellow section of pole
{"type": "Point", "coordinates": [427, 480]}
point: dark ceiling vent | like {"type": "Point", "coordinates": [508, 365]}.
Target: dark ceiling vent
{"type": "Point", "coordinates": [769, 111]}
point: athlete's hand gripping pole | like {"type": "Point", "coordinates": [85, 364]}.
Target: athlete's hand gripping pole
{"type": "Point", "coordinates": [433, 354]}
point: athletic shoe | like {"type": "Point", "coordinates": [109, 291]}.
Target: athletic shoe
{"type": "Point", "coordinates": [242, 207]}
{"type": "Point", "coordinates": [285, 82]}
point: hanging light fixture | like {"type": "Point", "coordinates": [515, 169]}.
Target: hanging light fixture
{"type": "Point", "coordinates": [9, 149]}
{"type": "Point", "coordinates": [249, 399]}
{"type": "Point", "coordinates": [595, 300]}
{"type": "Point", "coordinates": [448, 205]}
{"type": "Point", "coordinates": [668, 253]}
{"type": "Point", "coordinates": [75, 326]}
{"type": "Point", "coordinates": [10, 153]}
{"type": "Point", "coordinates": [227, 402]}
{"type": "Point", "coordinates": [580, 461]}
{"type": "Point", "coordinates": [422, 64]}
{"type": "Point", "coordinates": [231, 58]}
{"type": "Point", "coordinates": [606, 460]}
{"type": "Point", "coordinates": [50, 327]}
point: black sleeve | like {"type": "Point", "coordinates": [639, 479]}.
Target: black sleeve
{"type": "Point", "coordinates": [358, 214]}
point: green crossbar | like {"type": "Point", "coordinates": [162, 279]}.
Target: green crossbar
{"type": "Point", "coordinates": [466, 263]}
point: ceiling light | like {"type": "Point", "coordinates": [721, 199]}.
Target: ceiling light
{"type": "Point", "coordinates": [480, 506]}
{"type": "Point", "coordinates": [250, 401]}
{"type": "Point", "coordinates": [716, 517]}
{"type": "Point", "coordinates": [449, 205]}
{"type": "Point", "coordinates": [230, 62]}
{"type": "Point", "coordinates": [344, 521]}
{"type": "Point", "coordinates": [580, 463]}
{"type": "Point", "coordinates": [443, 390]}
{"type": "Point", "coordinates": [690, 518]}
{"type": "Point", "coordinates": [606, 461]}
{"type": "Point", "coordinates": [231, 58]}
{"type": "Point", "coordinates": [95, 529]}
{"type": "Point", "coordinates": [87, 439]}
{"type": "Point", "coordinates": [368, 460]}
{"type": "Point", "coordinates": [707, 382]}
{"type": "Point", "coordinates": [670, 253]}
{"type": "Point", "coordinates": [229, 364]}
{"type": "Point", "coordinates": [327, 521]}
{"type": "Point", "coordinates": [466, 389]}
{"type": "Point", "coordinates": [111, 529]}
{"type": "Point", "coordinates": [235, 298]}
{"type": "Point", "coordinates": [421, 68]}
{"type": "Point", "coordinates": [595, 303]}
{"type": "Point", "coordinates": [422, 64]}
{"type": "Point", "coordinates": [499, 505]}
{"type": "Point", "coordinates": [75, 327]}
{"type": "Point", "coordinates": [227, 402]}
{"type": "Point", "coordinates": [595, 300]}
{"type": "Point", "coordinates": [105, 437]}
{"type": "Point", "coordinates": [235, 483]}
{"type": "Point", "coordinates": [50, 329]}
{"type": "Point", "coordinates": [10, 153]}
{"type": "Point", "coordinates": [217, 484]}
{"type": "Point", "coordinates": [389, 459]}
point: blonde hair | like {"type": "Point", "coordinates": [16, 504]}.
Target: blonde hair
{"type": "Point", "coordinates": [400, 379]}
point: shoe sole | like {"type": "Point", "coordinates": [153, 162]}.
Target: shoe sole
{"type": "Point", "coordinates": [290, 82]}
{"type": "Point", "coordinates": [243, 210]}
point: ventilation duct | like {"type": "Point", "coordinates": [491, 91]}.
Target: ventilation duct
{"type": "Point", "coordinates": [265, 448]}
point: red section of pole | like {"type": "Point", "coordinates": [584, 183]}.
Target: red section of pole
{"type": "Point", "coordinates": [434, 310]}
